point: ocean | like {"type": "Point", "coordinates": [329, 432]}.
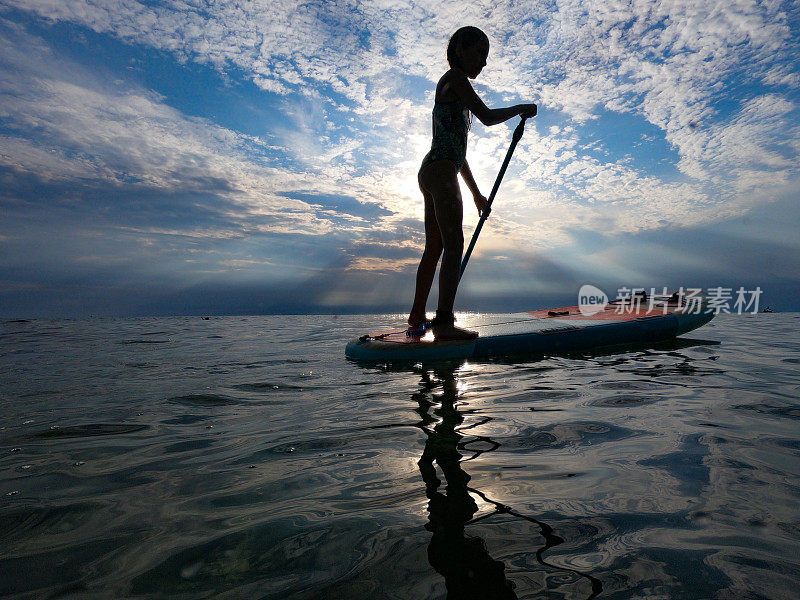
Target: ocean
{"type": "Point", "coordinates": [246, 457]}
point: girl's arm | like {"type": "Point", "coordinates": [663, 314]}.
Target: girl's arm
{"type": "Point", "coordinates": [488, 116]}
{"type": "Point", "coordinates": [480, 200]}
{"type": "Point", "coordinates": [466, 174]}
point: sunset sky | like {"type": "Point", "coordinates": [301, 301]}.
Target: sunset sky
{"type": "Point", "coordinates": [188, 157]}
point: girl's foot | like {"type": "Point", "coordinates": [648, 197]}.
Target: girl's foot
{"type": "Point", "coordinates": [418, 330]}
{"type": "Point", "coordinates": [451, 332]}
{"type": "Point", "coordinates": [416, 320]}
{"type": "Point", "coordinates": [444, 329]}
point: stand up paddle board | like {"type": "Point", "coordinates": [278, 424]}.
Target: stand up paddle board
{"type": "Point", "coordinates": [543, 332]}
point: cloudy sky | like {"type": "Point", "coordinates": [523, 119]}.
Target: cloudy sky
{"type": "Point", "coordinates": [244, 156]}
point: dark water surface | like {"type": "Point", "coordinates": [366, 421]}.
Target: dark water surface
{"type": "Point", "coordinates": [245, 457]}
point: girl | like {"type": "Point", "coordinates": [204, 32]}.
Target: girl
{"type": "Point", "coordinates": [438, 179]}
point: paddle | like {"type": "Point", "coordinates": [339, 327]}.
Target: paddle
{"type": "Point", "coordinates": [485, 214]}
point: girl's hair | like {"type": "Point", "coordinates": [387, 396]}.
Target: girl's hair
{"type": "Point", "coordinates": [464, 38]}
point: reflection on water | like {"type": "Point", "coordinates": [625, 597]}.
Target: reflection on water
{"type": "Point", "coordinates": [244, 457]}
{"type": "Point", "coordinates": [463, 560]}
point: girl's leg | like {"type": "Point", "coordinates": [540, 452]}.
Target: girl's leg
{"type": "Point", "coordinates": [449, 215]}
{"type": "Point", "coordinates": [440, 180]}
{"type": "Point", "coordinates": [427, 265]}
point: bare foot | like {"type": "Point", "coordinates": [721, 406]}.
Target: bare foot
{"type": "Point", "coordinates": [451, 332]}
{"type": "Point", "coordinates": [416, 320]}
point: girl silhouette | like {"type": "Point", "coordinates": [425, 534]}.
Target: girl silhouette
{"type": "Point", "coordinates": [438, 179]}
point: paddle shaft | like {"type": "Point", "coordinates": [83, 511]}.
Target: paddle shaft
{"type": "Point", "coordinates": [485, 214]}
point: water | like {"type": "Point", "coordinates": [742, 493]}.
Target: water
{"type": "Point", "coordinates": [247, 458]}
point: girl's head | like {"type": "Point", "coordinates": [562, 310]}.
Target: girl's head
{"type": "Point", "coordinates": [467, 50]}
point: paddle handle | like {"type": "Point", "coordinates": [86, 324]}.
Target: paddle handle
{"type": "Point", "coordinates": [515, 138]}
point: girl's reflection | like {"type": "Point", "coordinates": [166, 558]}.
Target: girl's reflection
{"type": "Point", "coordinates": [464, 562]}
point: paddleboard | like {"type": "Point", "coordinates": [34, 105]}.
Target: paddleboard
{"type": "Point", "coordinates": [541, 332]}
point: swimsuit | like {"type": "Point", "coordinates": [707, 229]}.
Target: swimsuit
{"type": "Point", "coordinates": [450, 126]}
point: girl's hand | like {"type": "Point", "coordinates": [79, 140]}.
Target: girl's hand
{"type": "Point", "coordinates": [480, 202]}
{"type": "Point", "coordinates": [527, 110]}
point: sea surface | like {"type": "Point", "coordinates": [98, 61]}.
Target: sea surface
{"type": "Point", "coordinates": [245, 457]}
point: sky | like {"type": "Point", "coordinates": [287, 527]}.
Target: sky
{"type": "Point", "coordinates": [260, 156]}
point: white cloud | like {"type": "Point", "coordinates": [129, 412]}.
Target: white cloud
{"type": "Point", "coordinates": [668, 63]}
{"type": "Point", "coordinates": [127, 138]}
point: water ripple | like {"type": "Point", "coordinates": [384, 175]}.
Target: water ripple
{"type": "Point", "coordinates": [183, 457]}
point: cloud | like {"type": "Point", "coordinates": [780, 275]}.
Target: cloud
{"type": "Point", "coordinates": [63, 125]}
{"type": "Point", "coordinates": [655, 116]}
{"type": "Point", "coordinates": [665, 62]}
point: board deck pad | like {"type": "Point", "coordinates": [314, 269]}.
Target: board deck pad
{"type": "Point", "coordinates": [559, 330]}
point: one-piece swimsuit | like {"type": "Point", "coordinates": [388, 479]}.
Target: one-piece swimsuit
{"type": "Point", "coordinates": [450, 127]}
